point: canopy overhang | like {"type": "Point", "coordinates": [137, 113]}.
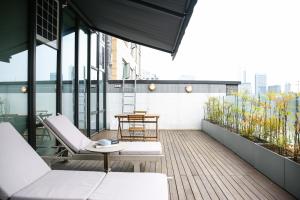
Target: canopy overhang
{"type": "Point", "coordinates": [159, 24]}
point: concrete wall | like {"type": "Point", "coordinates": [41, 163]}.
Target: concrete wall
{"type": "Point", "coordinates": [177, 109]}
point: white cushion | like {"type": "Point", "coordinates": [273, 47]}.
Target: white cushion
{"type": "Point", "coordinates": [142, 148]}
{"type": "Point", "coordinates": [20, 165]}
{"type": "Point", "coordinates": [59, 184]}
{"type": "Point", "coordinates": [69, 133]}
{"type": "Point", "coordinates": [132, 186]}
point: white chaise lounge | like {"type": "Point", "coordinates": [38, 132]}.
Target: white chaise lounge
{"type": "Point", "coordinates": [75, 142]}
{"type": "Point", "coordinates": [25, 176]}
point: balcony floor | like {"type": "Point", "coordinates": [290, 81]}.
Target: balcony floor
{"type": "Point", "coordinates": [201, 168]}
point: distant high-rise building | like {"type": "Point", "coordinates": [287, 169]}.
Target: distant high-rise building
{"type": "Point", "coordinates": [287, 87]}
{"type": "Point", "coordinates": [245, 88]}
{"type": "Point", "coordinates": [52, 76]}
{"type": "Point", "coordinates": [244, 76]}
{"type": "Point", "coordinates": [274, 88]}
{"type": "Point", "coordinates": [260, 84]}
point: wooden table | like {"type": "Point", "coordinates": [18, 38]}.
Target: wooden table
{"type": "Point", "coordinates": [149, 118]}
{"type": "Point", "coordinates": [106, 150]}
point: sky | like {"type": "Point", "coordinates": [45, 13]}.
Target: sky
{"type": "Point", "coordinates": [226, 37]}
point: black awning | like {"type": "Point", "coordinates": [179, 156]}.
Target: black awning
{"type": "Point", "coordinates": [159, 24]}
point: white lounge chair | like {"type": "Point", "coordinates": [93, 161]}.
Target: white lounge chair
{"type": "Point", "coordinates": [75, 143]}
{"type": "Point", "coordinates": [25, 176]}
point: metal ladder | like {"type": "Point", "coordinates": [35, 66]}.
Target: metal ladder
{"type": "Point", "coordinates": [128, 93]}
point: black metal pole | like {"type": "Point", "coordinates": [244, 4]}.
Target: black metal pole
{"type": "Point", "coordinates": [32, 74]}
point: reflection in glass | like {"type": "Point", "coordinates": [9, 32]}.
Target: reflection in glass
{"type": "Point", "coordinates": [101, 121]}
{"type": "Point", "coordinates": [93, 100]}
{"type": "Point", "coordinates": [101, 91]}
{"type": "Point", "coordinates": [68, 63]}
{"type": "Point", "coordinates": [101, 101]}
{"type": "Point", "coordinates": [13, 64]}
{"type": "Point", "coordinates": [93, 123]}
{"type": "Point", "coordinates": [82, 73]}
{"type": "Point", "coordinates": [101, 51]}
{"type": "Point", "coordinates": [13, 102]}
{"type": "Point", "coordinates": [45, 95]}
{"type": "Point", "coordinates": [94, 50]}
{"type": "Point", "coordinates": [93, 89]}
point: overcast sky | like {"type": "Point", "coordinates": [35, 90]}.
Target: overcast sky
{"type": "Point", "coordinates": [226, 37]}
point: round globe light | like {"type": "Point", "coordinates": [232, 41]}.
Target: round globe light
{"type": "Point", "coordinates": [188, 88]}
{"type": "Point", "coordinates": [152, 87]}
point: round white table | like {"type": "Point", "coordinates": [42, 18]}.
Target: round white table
{"type": "Point", "coordinates": [105, 150]}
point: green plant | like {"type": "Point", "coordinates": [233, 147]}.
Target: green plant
{"type": "Point", "coordinates": [213, 110]}
{"type": "Point", "coordinates": [268, 118]}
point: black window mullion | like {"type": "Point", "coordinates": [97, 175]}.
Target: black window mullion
{"type": "Point", "coordinates": [98, 86]}
{"type": "Point", "coordinates": [31, 74]}
{"type": "Point", "coordinates": [76, 78]}
{"type": "Point", "coordinates": [88, 85]}
{"type": "Point", "coordinates": [105, 78]}
{"type": "Point", "coordinates": [59, 64]}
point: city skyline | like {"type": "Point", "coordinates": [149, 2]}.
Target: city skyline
{"type": "Point", "coordinates": [251, 88]}
{"type": "Point", "coordinates": [223, 41]}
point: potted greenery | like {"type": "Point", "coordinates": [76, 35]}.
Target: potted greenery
{"type": "Point", "coordinates": [264, 131]}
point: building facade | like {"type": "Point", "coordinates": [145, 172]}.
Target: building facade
{"type": "Point", "coordinates": [274, 88]}
{"type": "Point", "coordinates": [260, 84]}
{"type": "Point", "coordinates": [126, 60]}
{"type": "Point", "coordinates": [245, 88]}
{"type": "Point", "coordinates": [287, 87]}
{"type": "Point", "coordinates": [51, 62]}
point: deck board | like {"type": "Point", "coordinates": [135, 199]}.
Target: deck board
{"type": "Point", "coordinates": [199, 168]}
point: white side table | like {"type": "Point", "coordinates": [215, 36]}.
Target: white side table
{"type": "Point", "coordinates": [105, 150]}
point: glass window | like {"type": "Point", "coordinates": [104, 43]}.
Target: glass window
{"type": "Point", "coordinates": [93, 89]}
{"type": "Point", "coordinates": [13, 64]}
{"type": "Point", "coordinates": [126, 70]}
{"type": "Point", "coordinates": [68, 63]}
{"type": "Point", "coordinates": [102, 57]}
{"type": "Point", "coordinates": [101, 101]}
{"type": "Point", "coordinates": [93, 123]}
{"type": "Point", "coordinates": [13, 91]}
{"type": "Point", "coordinates": [101, 121]}
{"type": "Point", "coordinates": [94, 50]}
{"type": "Point", "coordinates": [82, 73]}
{"type": "Point", "coordinates": [102, 51]}
{"type": "Point", "coordinates": [102, 37]}
{"type": "Point", "coordinates": [101, 91]}
{"type": "Point", "coordinates": [45, 95]}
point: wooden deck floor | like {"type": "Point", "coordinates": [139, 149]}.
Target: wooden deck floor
{"type": "Point", "coordinates": [201, 168]}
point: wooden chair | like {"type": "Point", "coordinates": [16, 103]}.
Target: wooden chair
{"type": "Point", "coordinates": [136, 126]}
{"type": "Point", "coordinates": [140, 112]}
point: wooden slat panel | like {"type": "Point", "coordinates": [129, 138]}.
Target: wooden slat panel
{"type": "Point", "coordinates": [200, 167]}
